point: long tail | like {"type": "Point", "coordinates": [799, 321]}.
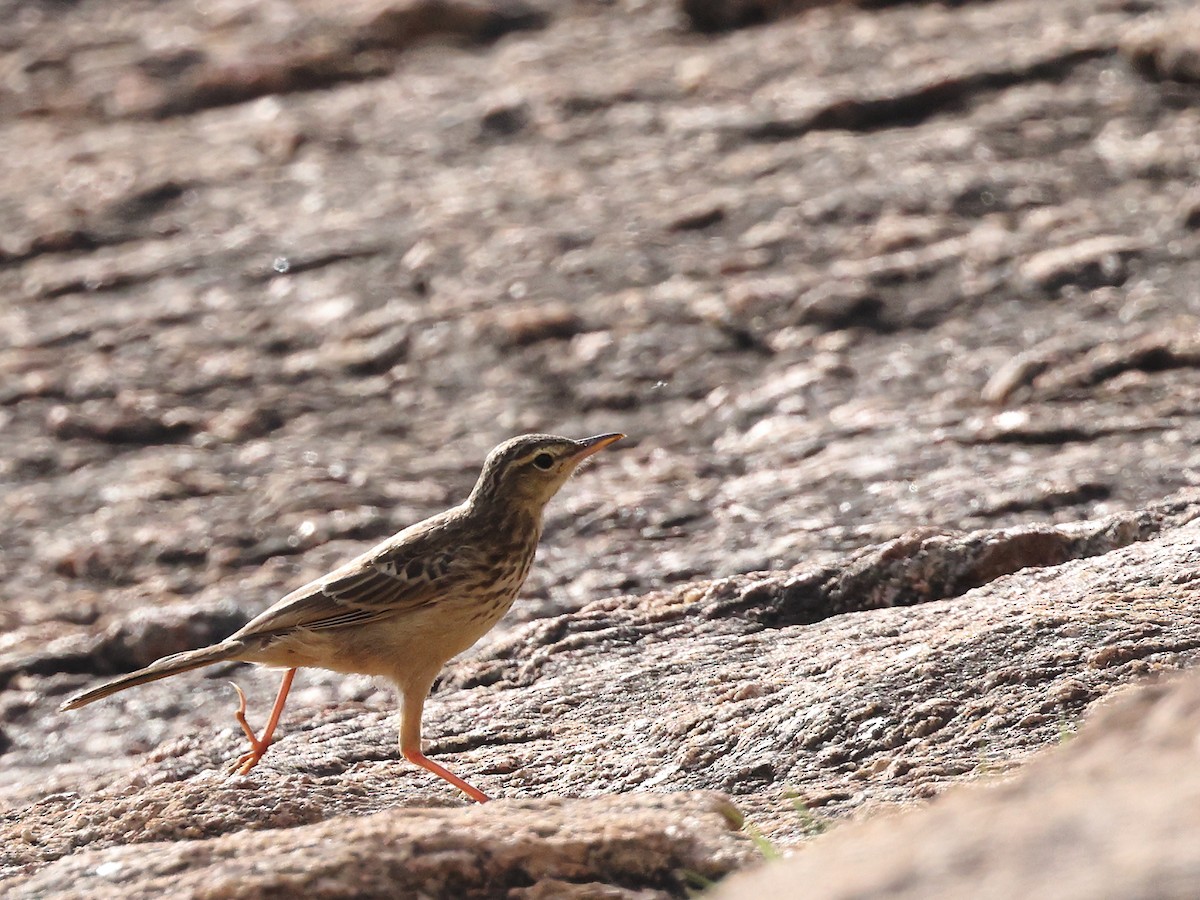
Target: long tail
{"type": "Point", "coordinates": [168, 665]}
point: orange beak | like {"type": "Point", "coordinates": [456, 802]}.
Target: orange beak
{"type": "Point", "coordinates": [591, 445]}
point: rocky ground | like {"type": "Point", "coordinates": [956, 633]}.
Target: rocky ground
{"type": "Point", "coordinates": [897, 304]}
{"type": "Point", "coordinates": [1114, 814]}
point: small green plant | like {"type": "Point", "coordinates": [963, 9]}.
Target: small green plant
{"type": "Point", "coordinates": [694, 883]}
{"type": "Point", "coordinates": [768, 850]}
{"type": "Point", "coordinates": [1066, 729]}
{"type": "Point", "coordinates": [809, 821]}
{"type": "Point", "coordinates": [986, 767]}
{"type": "Point", "coordinates": [811, 824]}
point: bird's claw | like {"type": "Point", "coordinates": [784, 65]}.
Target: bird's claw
{"type": "Point", "coordinates": [248, 760]}
{"type": "Point", "coordinates": [244, 763]}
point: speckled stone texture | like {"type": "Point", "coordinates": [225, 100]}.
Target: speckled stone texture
{"type": "Point", "coordinates": [897, 303]}
{"type": "Point", "coordinates": [1113, 814]}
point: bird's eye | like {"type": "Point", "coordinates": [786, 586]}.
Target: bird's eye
{"type": "Point", "coordinates": [543, 461]}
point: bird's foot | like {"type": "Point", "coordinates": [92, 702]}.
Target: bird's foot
{"type": "Point", "coordinates": [258, 748]}
{"type": "Point", "coordinates": [417, 758]}
{"type": "Point", "coordinates": [247, 761]}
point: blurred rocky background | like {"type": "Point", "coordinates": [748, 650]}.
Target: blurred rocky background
{"type": "Point", "coordinates": [897, 303]}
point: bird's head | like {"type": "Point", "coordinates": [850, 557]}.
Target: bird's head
{"type": "Point", "coordinates": [528, 470]}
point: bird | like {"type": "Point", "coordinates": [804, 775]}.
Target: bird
{"type": "Point", "coordinates": [403, 608]}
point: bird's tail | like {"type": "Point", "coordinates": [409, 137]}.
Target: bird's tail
{"type": "Point", "coordinates": [168, 665]}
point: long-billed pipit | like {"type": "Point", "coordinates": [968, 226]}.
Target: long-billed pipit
{"type": "Point", "coordinates": [407, 605]}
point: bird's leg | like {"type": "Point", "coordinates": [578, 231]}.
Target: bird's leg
{"type": "Point", "coordinates": [258, 746]}
{"type": "Point", "coordinates": [412, 704]}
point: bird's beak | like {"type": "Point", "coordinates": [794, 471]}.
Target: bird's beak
{"type": "Point", "coordinates": [591, 445]}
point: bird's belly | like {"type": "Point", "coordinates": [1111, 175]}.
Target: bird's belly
{"type": "Point", "coordinates": [418, 641]}
{"type": "Point", "coordinates": [460, 624]}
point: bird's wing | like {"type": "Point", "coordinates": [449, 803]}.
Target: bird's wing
{"type": "Point", "coordinates": [396, 577]}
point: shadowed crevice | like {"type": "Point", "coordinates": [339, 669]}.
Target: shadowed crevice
{"type": "Point", "coordinates": [907, 109]}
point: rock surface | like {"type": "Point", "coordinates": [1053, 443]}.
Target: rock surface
{"type": "Point", "coordinates": [525, 849]}
{"type": "Point", "coordinates": [1115, 814]}
{"type": "Point", "coordinates": [794, 693]}
{"type": "Point", "coordinates": [894, 300]}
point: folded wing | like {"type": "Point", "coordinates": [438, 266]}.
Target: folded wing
{"type": "Point", "coordinates": [381, 583]}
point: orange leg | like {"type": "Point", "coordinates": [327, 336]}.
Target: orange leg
{"type": "Point", "coordinates": [417, 758]}
{"type": "Point", "coordinates": [412, 704]}
{"type": "Point", "coordinates": [258, 747]}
